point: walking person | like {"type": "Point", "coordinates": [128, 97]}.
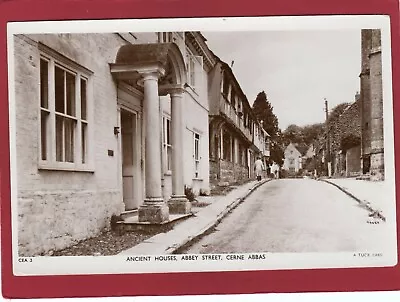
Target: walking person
{"type": "Point", "coordinates": [258, 168]}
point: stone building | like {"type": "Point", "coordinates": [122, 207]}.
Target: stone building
{"type": "Point", "coordinates": [293, 161]}
{"type": "Point", "coordinates": [261, 143]}
{"type": "Point", "coordinates": [345, 140]}
{"type": "Point", "coordinates": [372, 144]}
{"type": "Point", "coordinates": [106, 124]}
{"type": "Point", "coordinates": [235, 135]}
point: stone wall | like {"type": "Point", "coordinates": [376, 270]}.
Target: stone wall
{"type": "Point", "coordinates": [214, 172]}
{"type": "Point", "coordinates": [56, 220]}
{"type": "Point", "coordinates": [353, 163]}
{"type": "Point", "coordinates": [229, 172]}
{"type": "Point", "coordinates": [346, 127]}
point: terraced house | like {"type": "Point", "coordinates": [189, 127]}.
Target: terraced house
{"type": "Point", "coordinates": [107, 124]}
{"type": "Point", "coordinates": [236, 137]}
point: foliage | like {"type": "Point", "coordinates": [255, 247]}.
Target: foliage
{"type": "Point", "coordinates": [302, 135]}
{"type": "Point", "coordinates": [312, 132]}
{"type": "Point", "coordinates": [189, 193]}
{"type": "Point", "coordinates": [283, 174]}
{"type": "Point", "coordinates": [114, 221]}
{"type": "Point", "coordinates": [277, 154]}
{"type": "Point", "coordinates": [264, 111]}
{"type": "Point", "coordinates": [336, 111]}
{"type": "Point", "coordinates": [299, 173]}
{"type": "Point", "coordinates": [309, 164]}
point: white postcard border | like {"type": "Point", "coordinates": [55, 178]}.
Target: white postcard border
{"type": "Point", "coordinates": [121, 264]}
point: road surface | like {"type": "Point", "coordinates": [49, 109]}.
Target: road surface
{"type": "Point", "coordinates": [294, 215]}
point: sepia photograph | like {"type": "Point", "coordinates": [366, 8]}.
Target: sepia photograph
{"type": "Point", "coordinates": [216, 144]}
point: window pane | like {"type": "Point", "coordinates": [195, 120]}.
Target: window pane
{"type": "Point", "coordinates": [43, 121]}
{"type": "Point", "coordinates": [169, 158]}
{"type": "Point", "coordinates": [44, 83]}
{"type": "Point", "coordinates": [70, 85]}
{"type": "Point", "coordinates": [163, 130]}
{"type": "Point", "coordinates": [59, 138]}
{"type": "Point", "coordinates": [69, 130]}
{"type": "Point", "coordinates": [59, 78]}
{"type": "Point", "coordinates": [168, 132]}
{"type": "Point", "coordinates": [83, 99]}
{"type": "Point", "coordinates": [196, 149]}
{"type": "Point", "coordinates": [84, 139]}
{"type": "Point", "coordinates": [226, 84]}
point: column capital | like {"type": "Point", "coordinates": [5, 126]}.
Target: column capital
{"type": "Point", "coordinates": [176, 91]}
{"type": "Point", "coordinates": [150, 74]}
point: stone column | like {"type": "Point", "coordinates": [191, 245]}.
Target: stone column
{"type": "Point", "coordinates": [154, 209]}
{"type": "Point", "coordinates": [178, 203]}
{"type": "Point", "coordinates": [377, 143]}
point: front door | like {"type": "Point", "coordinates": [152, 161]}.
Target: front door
{"type": "Point", "coordinates": [130, 160]}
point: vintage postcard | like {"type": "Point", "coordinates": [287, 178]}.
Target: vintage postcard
{"type": "Point", "coordinates": [213, 144]}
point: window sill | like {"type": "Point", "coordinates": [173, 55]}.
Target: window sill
{"type": "Point", "coordinates": [65, 167]}
{"type": "Point", "coordinates": [198, 179]}
{"type": "Point", "coordinates": [168, 173]}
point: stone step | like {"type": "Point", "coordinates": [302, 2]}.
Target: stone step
{"type": "Point", "coordinates": [132, 223]}
{"type": "Point", "coordinates": [364, 177]}
{"type": "Point", "coordinates": [128, 214]}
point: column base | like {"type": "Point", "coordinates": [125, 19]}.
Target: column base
{"type": "Point", "coordinates": [377, 166]}
{"type": "Point", "coordinates": [179, 205]}
{"type": "Point", "coordinates": [154, 210]}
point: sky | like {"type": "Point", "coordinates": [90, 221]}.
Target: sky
{"type": "Point", "coordinates": [296, 69]}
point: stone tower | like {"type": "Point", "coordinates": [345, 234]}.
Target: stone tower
{"type": "Point", "coordinates": [372, 104]}
{"type": "Point", "coordinates": [366, 101]}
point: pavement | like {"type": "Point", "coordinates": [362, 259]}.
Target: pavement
{"type": "Point", "coordinates": [376, 196]}
{"type": "Point", "coordinates": [204, 220]}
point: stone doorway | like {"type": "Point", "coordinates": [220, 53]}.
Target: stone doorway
{"type": "Point", "coordinates": [130, 140]}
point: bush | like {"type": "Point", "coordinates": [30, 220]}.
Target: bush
{"type": "Point", "coordinates": [283, 174]}
{"type": "Point", "coordinates": [299, 173]}
{"type": "Point", "coordinates": [114, 221]}
{"type": "Point", "coordinates": [204, 192]}
{"type": "Point", "coordinates": [189, 193]}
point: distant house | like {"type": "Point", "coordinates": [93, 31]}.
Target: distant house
{"type": "Point", "coordinates": [296, 157]}
{"type": "Point", "coordinates": [293, 159]}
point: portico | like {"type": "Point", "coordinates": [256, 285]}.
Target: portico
{"type": "Point", "coordinates": [157, 69]}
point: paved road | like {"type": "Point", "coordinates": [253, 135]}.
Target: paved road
{"type": "Point", "coordinates": [294, 215]}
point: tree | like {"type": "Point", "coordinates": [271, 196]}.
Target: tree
{"type": "Point", "coordinates": [264, 112]}
{"type": "Point", "coordinates": [312, 132]}
{"type": "Point", "coordinates": [293, 134]}
{"type": "Point", "coordinates": [305, 135]}
{"type": "Point", "coordinates": [336, 111]}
